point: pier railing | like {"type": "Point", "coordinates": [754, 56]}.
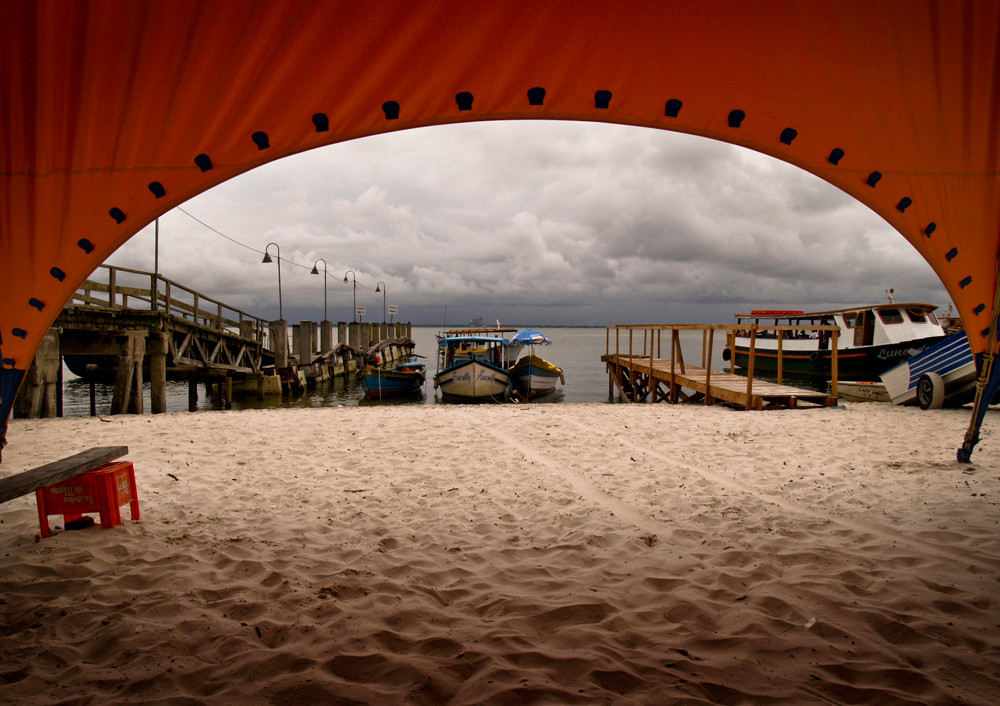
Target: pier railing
{"type": "Point", "coordinates": [125, 288]}
{"type": "Point", "coordinates": [651, 346]}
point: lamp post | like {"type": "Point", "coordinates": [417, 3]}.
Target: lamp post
{"type": "Point", "coordinates": [267, 258]}
{"type": "Point", "coordinates": [382, 285]}
{"type": "Point", "coordinates": [315, 271]}
{"type": "Point", "coordinates": [355, 278]}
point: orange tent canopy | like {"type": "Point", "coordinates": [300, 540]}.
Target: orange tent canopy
{"type": "Point", "coordinates": [112, 113]}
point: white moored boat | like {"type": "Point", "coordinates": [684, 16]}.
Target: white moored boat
{"type": "Point", "coordinates": [871, 339]}
{"type": "Point", "coordinates": [473, 368]}
{"type": "Point", "coordinates": [532, 375]}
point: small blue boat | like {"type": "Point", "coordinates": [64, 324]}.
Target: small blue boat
{"type": "Point", "coordinates": [395, 380]}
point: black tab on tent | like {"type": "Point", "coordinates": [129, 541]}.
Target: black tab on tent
{"type": "Point", "coordinates": [536, 96]}
{"type": "Point", "coordinates": [203, 161]}
{"type": "Point", "coordinates": [788, 134]}
{"type": "Point", "coordinates": [117, 214]}
{"type": "Point", "coordinates": [736, 118]}
{"type": "Point", "coordinates": [321, 122]}
{"type": "Point", "coordinates": [904, 203]}
{"type": "Point", "coordinates": [86, 245]}
{"type": "Point", "coordinates": [157, 189]}
{"type": "Point", "coordinates": [391, 110]}
{"type": "Point", "coordinates": [873, 179]}
{"type": "Point", "coordinates": [260, 138]}
{"type": "Point", "coordinates": [464, 100]}
{"type": "Point", "coordinates": [602, 100]}
{"type": "Point", "coordinates": [672, 108]}
{"type": "Point", "coordinates": [835, 156]}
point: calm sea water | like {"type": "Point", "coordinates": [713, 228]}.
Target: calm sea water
{"type": "Point", "coordinates": [577, 351]}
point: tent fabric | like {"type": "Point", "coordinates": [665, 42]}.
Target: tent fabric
{"type": "Point", "coordinates": [114, 112]}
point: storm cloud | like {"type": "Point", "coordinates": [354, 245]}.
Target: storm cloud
{"type": "Point", "coordinates": [540, 223]}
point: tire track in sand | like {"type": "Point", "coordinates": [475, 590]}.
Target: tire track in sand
{"type": "Point", "coordinates": [623, 510]}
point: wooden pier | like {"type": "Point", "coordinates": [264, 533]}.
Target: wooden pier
{"type": "Point", "coordinates": [640, 373]}
{"type": "Point", "coordinates": [127, 325]}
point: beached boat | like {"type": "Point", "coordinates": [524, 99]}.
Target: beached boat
{"type": "Point", "coordinates": [532, 375]}
{"type": "Point", "coordinates": [871, 339]}
{"type": "Point", "coordinates": [473, 368]}
{"type": "Point", "coordinates": [394, 380]}
{"type": "Point", "coordinates": [941, 375]}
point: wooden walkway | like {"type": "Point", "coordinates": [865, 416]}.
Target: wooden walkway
{"type": "Point", "coordinates": [639, 378]}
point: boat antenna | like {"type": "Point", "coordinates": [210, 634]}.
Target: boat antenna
{"type": "Point", "coordinates": [888, 295]}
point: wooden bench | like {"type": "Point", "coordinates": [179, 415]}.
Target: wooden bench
{"type": "Point", "coordinates": [65, 468]}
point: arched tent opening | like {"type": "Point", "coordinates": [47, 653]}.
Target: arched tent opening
{"type": "Point", "coordinates": [114, 114]}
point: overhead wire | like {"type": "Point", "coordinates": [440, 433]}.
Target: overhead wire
{"type": "Point", "coordinates": [259, 252]}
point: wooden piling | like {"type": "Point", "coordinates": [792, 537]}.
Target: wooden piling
{"type": "Point", "coordinates": [157, 346]}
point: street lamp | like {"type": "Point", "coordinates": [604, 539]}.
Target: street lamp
{"type": "Point", "coordinates": [316, 272]}
{"type": "Point", "coordinates": [382, 284]}
{"type": "Point", "coordinates": [355, 278]}
{"type": "Point", "coordinates": [267, 258]}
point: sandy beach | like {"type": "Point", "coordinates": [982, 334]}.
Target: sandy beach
{"type": "Point", "coordinates": [546, 554]}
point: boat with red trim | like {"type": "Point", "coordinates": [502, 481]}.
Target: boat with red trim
{"type": "Point", "coordinates": [871, 339]}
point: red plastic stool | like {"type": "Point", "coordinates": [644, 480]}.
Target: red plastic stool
{"type": "Point", "coordinates": [103, 490]}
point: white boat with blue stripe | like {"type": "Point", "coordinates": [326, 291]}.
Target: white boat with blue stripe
{"type": "Point", "coordinates": [944, 374]}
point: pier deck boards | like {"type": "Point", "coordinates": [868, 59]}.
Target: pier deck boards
{"type": "Point", "coordinates": [641, 377]}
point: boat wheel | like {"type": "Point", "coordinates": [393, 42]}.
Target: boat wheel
{"type": "Point", "coordinates": [930, 391]}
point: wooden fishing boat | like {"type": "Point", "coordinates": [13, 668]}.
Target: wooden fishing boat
{"type": "Point", "coordinates": [532, 375]}
{"type": "Point", "coordinates": [871, 339]}
{"type": "Point", "coordinates": [395, 380]}
{"type": "Point", "coordinates": [473, 368]}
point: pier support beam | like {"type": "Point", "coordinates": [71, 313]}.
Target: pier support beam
{"type": "Point", "coordinates": [366, 337]}
{"type": "Point", "coordinates": [157, 345]}
{"type": "Point", "coordinates": [306, 342]}
{"type": "Point", "coordinates": [127, 396]}
{"type": "Point", "coordinates": [279, 342]}
{"type": "Point", "coordinates": [40, 392]}
{"type": "Point", "coordinates": [325, 336]}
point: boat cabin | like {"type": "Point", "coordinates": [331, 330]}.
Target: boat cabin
{"type": "Point", "coordinates": [876, 325]}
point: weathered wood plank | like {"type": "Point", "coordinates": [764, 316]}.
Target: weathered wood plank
{"type": "Point", "coordinates": [43, 476]}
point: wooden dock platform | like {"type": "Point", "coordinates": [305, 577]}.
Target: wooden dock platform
{"type": "Point", "coordinates": [640, 374]}
{"type": "Point", "coordinates": [640, 378]}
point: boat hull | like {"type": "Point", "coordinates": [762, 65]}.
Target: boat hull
{"type": "Point", "coordinates": [533, 376]}
{"type": "Point", "coordinates": [862, 391]}
{"type": "Point", "coordinates": [853, 363]}
{"type": "Point", "coordinates": [473, 381]}
{"type": "Point", "coordinates": [380, 383]}
{"type": "Point", "coordinates": [950, 359]}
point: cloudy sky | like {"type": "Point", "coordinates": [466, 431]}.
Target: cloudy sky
{"type": "Point", "coordinates": [534, 223]}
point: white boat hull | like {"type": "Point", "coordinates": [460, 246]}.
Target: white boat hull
{"type": "Point", "coordinates": [473, 380]}
{"type": "Point", "coordinates": [532, 376]}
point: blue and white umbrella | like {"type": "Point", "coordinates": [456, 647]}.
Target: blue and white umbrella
{"type": "Point", "coordinates": [530, 336]}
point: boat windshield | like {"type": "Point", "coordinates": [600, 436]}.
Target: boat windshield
{"type": "Point", "coordinates": [890, 316]}
{"type": "Point", "coordinates": [919, 316]}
